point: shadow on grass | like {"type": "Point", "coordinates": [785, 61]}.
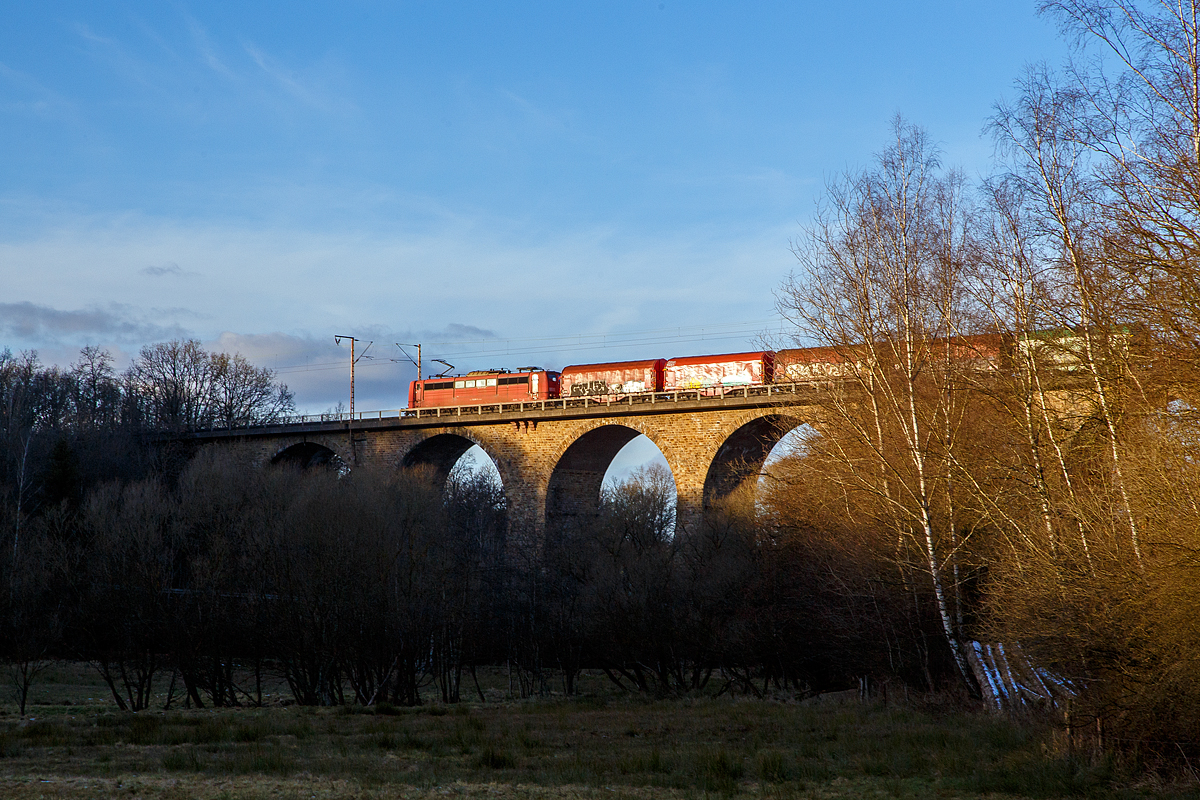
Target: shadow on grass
{"type": "Point", "coordinates": [697, 746]}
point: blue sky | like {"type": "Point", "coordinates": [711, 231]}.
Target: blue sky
{"type": "Point", "coordinates": [481, 177]}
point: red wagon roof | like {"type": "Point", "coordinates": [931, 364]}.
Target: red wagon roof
{"type": "Point", "coordinates": [612, 365]}
{"type": "Point", "coordinates": [719, 357]}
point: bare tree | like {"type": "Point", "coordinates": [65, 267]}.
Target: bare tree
{"type": "Point", "coordinates": [1050, 162]}
{"type": "Point", "coordinates": [180, 385]}
{"type": "Point", "coordinates": [830, 604]}
{"type": "Point", "coordinates": [18, 423]}
{"type": "Point", "coordinates": [246, 395]}
{"type": "Point", "coordinates": [881, 284]}
{"type": "Point", "coordinates": [1139, 118]}
{"type": "Point", "coordinates": [174, 381]}
{"type": "Point", "coordinates": [97, 398]}
{"type": "Point", "coordinates": [127, 577]}
{"type": "Point", "coordinates": [1015, 287]}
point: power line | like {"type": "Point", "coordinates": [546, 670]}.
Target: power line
{"type": "Point", "coordinates": [716, 332]}
{"type": "Point", "coordinates": [678, 330]}
{"type": "Point", "coordinates": [596, 346]}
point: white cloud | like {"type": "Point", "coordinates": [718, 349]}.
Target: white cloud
{"type": "Point", "coordinates": [308, 85]}
{"type": "Point", "coordinates": [317, 370]}
{"type": "Point", "coordinates": [286, 292]}
{"type": "Point", "coordinates": [119, 58]}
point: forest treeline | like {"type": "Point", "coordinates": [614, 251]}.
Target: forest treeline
{"type": "Point", "coordinates": [1010, 455]}
{"type": "Point", "coordinates": [66, 429]}
{"type": "Point", "coordinates": [375, 587]}
{"type": "Point", "coordinates": [206, 574]}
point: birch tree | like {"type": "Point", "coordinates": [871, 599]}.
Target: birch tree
{"type": "Point", "coordinates": [880, 281]}
{"type": "Point", "coordinates": [1013, 287]}
{"type": "Point", "coordinates": [1139, 78]}
{"type": "Point", "coordinates": [1043, 137]}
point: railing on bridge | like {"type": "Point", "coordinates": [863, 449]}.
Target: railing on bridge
{"type": "Point", "coordinates": [477, 409]}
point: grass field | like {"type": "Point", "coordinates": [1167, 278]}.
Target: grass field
{"type": "Point", "coordinates": [75, 745]}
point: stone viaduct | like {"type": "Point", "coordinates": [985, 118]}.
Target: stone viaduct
{"type": "Point", "coordinates": [552, 455]}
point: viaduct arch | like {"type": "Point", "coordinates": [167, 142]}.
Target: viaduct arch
{"type": "Point", "coordinates": [552, 464]}
{"type": "Point", "coordinates": [307, 454]}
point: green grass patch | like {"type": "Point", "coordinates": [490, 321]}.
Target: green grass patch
{"type": "Point", "coordinates": [718, 771]}
{"type": "Point", "coordinates": [694, 747]}
{"type": "Point", "coordinates": [262, 760]}
{"type": "Point", "coordinates": [492, 757]}
{"type": "Point", "coordinates": [182, 759]}
{"type": "Point", "coordinates": [772, 766]}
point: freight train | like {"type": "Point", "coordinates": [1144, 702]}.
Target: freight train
{"type": "Point", "coordinates": [600, 381]}
{"type": "Point", "coordinates": [615, 380]}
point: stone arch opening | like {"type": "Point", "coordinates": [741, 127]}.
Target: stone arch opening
{"type": "Point", "coordinates": [742, 455]}
{"type": "Point", "coordinates": [573, 491]}
{"type": "Point", "coordinates": [443, 452]}
{"type": "Point", "coordinates": [795, 442]}
{"type": "Point", "coordinates": [307, 455]}
{"type": "Point", "coordinates": [639, 453]}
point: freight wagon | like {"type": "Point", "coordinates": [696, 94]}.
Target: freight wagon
{"type": "Point", "coordinates": [613, 379]}
{"type": "Point", "coordinates": [716, 371]}
{"type": "Point", "coordinates": [712, 372]}
{"type": "Point", "coordinates": [813, 364]}
{"type": "Point", "coordinates": [608, 380]}
{"type": "Point", "coordinates": [622, 378]}
{"type": "Point", "coordinates": [976, 352]}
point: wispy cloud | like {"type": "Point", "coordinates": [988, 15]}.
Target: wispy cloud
{"type": "Point", "coordinates": [170, 268]}
{"type": "Point", "coordinates": [466, 280]}
{"type": "Point", "coordinates": [207, 50]}
{"type": "Point", "coordinates": [553, 122]}
{"type": "Point", "coordinates": [43, 325]}
{"type": "Point", "coordinates": [117, 56]}
{"type": "Point", "coordinates": [317, 370]}
{"type": "Point", "coordinates": [27, 94]}
{"type": "Point", "coordinates": [91, 36]}
{"type": "Point", "coordinates": [308, 91]}
{"type": "Point", "coordinates": [456, 330]}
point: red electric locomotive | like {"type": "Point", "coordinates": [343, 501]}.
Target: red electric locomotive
{"type": "Point", "coordinates": [613, 379]}
{"type": "Point", "coordinates": [492, 386]}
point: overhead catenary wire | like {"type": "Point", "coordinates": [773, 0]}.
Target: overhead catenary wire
{"type": "Point", "coordinates": [622, 335]}
{"type": "Point", "coordinates": [572, 343]}
{"type": "Point", "coordinates": [587, 346]}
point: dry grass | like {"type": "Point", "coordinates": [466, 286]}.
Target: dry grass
{"type": "Point", "coordinates": [592, 747]}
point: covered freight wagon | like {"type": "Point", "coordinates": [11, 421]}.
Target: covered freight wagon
{"type": "Point", "coordinates": [979, 352]}
{"type": "Point", "coordinates": [708, 372]}
{"type": "Point", "coordinates": [617, 378]}
{"type": "Point", "coordinates": [815, 364]}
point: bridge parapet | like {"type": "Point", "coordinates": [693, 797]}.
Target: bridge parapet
{"type": "Point", "coordinates": [679, 401]}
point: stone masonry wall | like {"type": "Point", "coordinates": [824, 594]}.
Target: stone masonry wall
{"type": "Point", "coordinates": [526, 452]}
